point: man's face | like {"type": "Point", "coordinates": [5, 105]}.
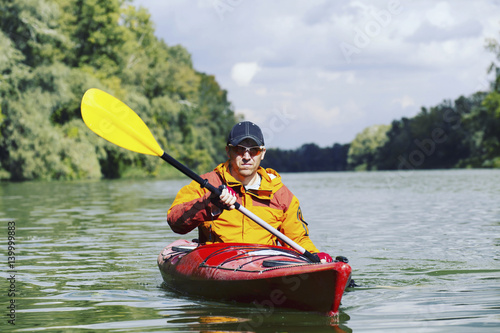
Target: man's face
{"type": "Point", "coordinates": [245, 162]}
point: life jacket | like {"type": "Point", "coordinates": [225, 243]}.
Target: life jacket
{"type": "Point", "coordinates": [272, 201]}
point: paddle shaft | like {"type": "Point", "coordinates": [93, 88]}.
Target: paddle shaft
{"type": "Point", "coordinates": [204, 183]}
{"type": "Point", "coordinates": [188, 172]}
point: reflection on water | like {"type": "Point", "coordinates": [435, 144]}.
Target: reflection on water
{"type": "Point", "coordinates": [424, 248]}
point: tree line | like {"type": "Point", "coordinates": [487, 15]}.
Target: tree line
{"type": "Point", "coordinates": [308, 158]}
{"type": "Point", "coordinates": [54, 50]}
{"type": "Point", "coordinates": [464, 133]}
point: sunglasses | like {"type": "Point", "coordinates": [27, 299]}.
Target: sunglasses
{"type": "Point", "coordinates": [241, 150]}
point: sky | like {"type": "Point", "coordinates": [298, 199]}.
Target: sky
{"type": "Point", "coordinates": [320, 71]}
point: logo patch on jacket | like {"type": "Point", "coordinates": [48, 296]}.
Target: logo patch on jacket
{"type": "Point", "coordinates": [300, 217]}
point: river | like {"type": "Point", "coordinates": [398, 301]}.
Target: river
{"type": "Point", "coordinates": [424, 247]}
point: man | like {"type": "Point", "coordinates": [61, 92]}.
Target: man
{"type": "Point", "coordinates": [242, 179]}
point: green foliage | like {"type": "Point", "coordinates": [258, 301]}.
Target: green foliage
{"type": "Point", "coordinates": [494, 47]}
{"type": "Point", "coordinates": [32, 147]}
{"type": "Point", "coordinates": [464, 133]}
{"type": "Point", "coordinates": [435, 138]}
{"type": "Point", "coordinates": [97, 37]}
{"type": "Point", "coordinates": [308, 158]}
{"type": "Point", "coordinates": [363, 149]}
{"type": "Point", "coordinates": [484, 133]}
{"type": "Point", "coordinates": [32, 27]}
{"type": "Point", "coordinates": [54, 50]}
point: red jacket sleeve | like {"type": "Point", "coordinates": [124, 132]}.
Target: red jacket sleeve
{"type": "Point", "coordinates": [191, 207]}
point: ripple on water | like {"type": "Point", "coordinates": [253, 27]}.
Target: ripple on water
{"type": "Point", "coordinates": [424, 249]}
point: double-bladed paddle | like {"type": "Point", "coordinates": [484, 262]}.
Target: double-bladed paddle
{"type": "Point", "coordinates": [113, 120]}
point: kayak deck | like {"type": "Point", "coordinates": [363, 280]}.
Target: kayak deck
{"type": "Point", "coordinates": [271, 276]}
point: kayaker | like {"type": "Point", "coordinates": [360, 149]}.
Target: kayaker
{"type": "Point", "coordinates": [241, 179]}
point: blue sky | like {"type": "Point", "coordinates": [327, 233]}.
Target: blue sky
{"type": "Point", "coordinates": [319, 71]}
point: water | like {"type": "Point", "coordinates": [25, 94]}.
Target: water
{"type": "Point", "coordinates": [424, 247]}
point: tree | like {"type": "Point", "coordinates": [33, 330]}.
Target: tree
{"type": "Point", "coordinates": [483, 128]}
{"type": "Point", "coordinates": [308, 158]}
{"type": "Point", "coordinates": [54, 50]}
{"type": "Point", "coordinates": [364, 147]}
{"type": "Point", "coordinates": [32, 26]}
{"type": "Point", "coordinates": [96, 33]}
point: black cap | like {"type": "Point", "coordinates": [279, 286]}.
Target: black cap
{"type": "Point", "coordinates": [245, 130]}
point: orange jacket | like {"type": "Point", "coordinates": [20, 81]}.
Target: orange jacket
{"type": "Point", "coordinates": [273, 202]}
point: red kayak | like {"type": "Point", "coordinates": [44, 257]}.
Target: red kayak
{"type": "Point", "coordinates": [271, 276]}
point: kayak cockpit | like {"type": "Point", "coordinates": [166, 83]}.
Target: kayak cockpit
{"type": "Point", "coordinates": [253, 258]}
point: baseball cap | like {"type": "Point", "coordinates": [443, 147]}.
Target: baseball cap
{"type": "Point", "coordinates": [245, 130]}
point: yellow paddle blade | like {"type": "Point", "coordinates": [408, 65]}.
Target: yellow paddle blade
{"type": "Point", "coordinates": [111, 119]}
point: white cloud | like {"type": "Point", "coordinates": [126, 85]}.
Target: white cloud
{"type": "Point", "coordinates": [404, 102]}
{"type": "Point", "coordinates": [440, 15]}
{"type": "Point", "coordinates": [270, 54]}
{"type": "Point", "coordinates": [328, 76]}
{"type": "Point", "coordinates": [252, 115]}
{"type": "Point", "coordinates": [262, 91]}
{"type": "Point", "coordinates": [345, 77]}
{"type": "Point", "coordinates": [314, 109]}
{"type": "Point", "coordinates": [351, 78]}
{"type": "Point", "coordinates": [243, 72]}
